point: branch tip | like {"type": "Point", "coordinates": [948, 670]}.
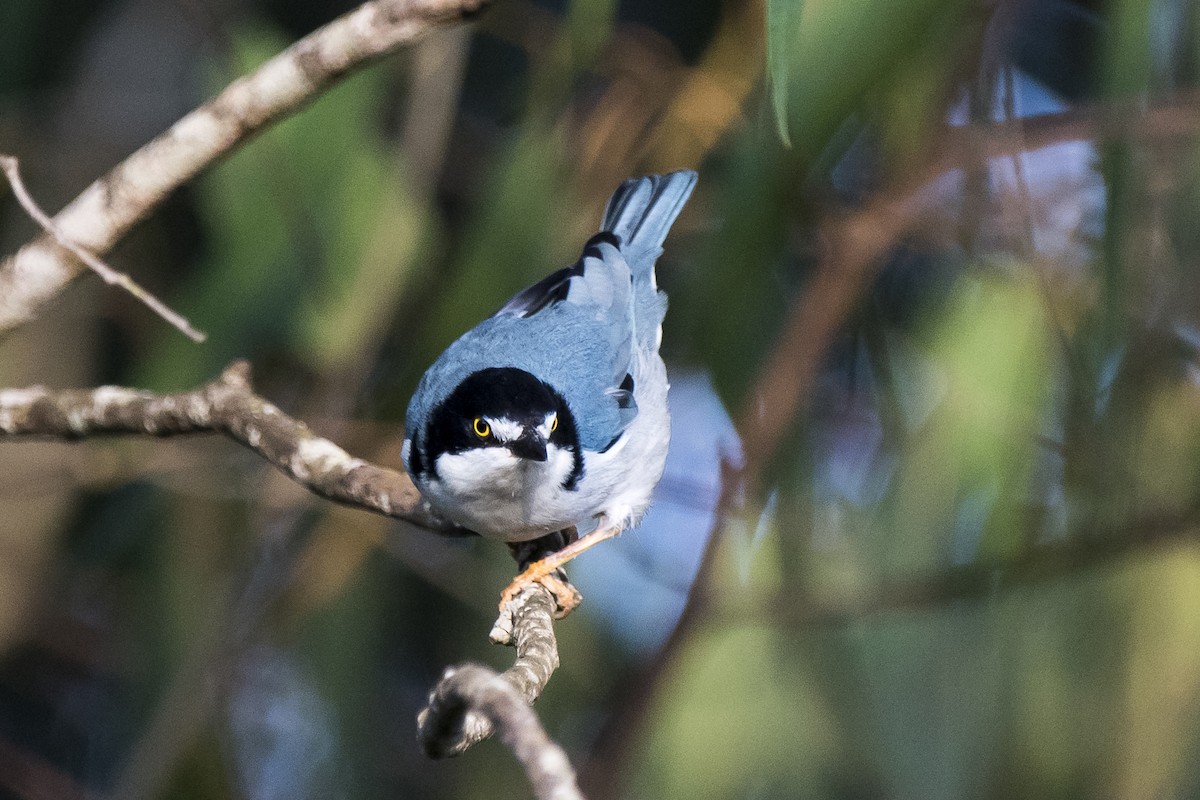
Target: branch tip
{"type": "Point", "coordinates": [238, 374]}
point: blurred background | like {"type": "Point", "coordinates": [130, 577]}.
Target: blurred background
{"type": "Point", "coordinates": [928, 527]}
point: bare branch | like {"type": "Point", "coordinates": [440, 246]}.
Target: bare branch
{"type": "Point", "coordinates": [478, 688]}
{"type": "Point", "coordinates": [471, 701]}
{"type": "Point", "coordinates": [111, 276]}
{"type": "Point", "coordinates": [228, 405]}
{"type": "Point", "coordinates": [99, 217]}
{"type": "Point", "coordinates": [447, 727]}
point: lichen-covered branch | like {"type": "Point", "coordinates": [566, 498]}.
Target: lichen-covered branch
{"type": "Point", "coordinates": [447, 727]}
{"type": "Point", "coordinates": [470, 702]}
{"type": "Point", "coordinates": [478, 689]}
{"type": "Point", "coordinates": [99, 217]}
{"type": "Point", "coordinates": [227, 405]}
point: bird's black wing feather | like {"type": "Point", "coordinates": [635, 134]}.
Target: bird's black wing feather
{"type": "Point", "coordinates": [549, 290]}
{"type": "Point", "coordinates": [554, 287]}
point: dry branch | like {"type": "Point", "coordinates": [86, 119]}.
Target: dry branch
{"type": "Point", "coordinates": [446, 729]}
{"type": "Point", "coordinates": [99, 217]}
{"type": "Point", "coordinates": [470, 702]}
{"type": "Point", "coordinates": [478, 688]}
{"type": "Point", "coordinates": [229, 406]}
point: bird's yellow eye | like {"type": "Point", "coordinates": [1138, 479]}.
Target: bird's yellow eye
{"type": "Point", "coordinates": [482, 429]}
{"type": "Point", "coordinates": [554, 424]}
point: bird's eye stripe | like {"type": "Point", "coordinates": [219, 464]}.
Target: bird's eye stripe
{"type": "Point", "coordinates": [482, 429]}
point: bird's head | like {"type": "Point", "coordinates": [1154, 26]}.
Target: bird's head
{"type": "Point", "coordinates": [499, 418]}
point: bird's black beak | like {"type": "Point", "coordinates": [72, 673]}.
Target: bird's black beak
{"type": "Point", "coordinates": [530, 445]}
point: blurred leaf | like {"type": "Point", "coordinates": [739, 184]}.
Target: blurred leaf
{"type": "Point", "coordinates": [742, 274]}
{"type": "Point", "coordinates": [1167, 462]}
{"type": "Point", "coordinates": [1163, 674]}
{"type": "Point", "coordinates": [834, 55]}
{"type": "Point", "coordinates": [769, 698]}
{"type": "Point", "coordinates": [783, 20]}
{"type": "Point", "coordinates": [589, 26]}
{"type": "Point", "coordinates": [1128, 55]}
{"type": "Point", "coordinates": [734, 723]}
{"type": "Point", "coordinates": [967, 468]}
{"type": "Point", "coordinates": [377, 233]}
{"type": "Point", "coordinates": [1111, 314]}
{"type": "Point", "coordinates": [840, 50]}
{"type": "Point", "coordinates": [742, 713]}
{"type": "Point", "coordinates": [914, 98]}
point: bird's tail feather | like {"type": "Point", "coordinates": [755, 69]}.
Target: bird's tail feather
{"type": "Point", "coordinates": [642, 210]}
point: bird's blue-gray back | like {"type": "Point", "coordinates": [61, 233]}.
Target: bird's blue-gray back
{"type": "Point", "coordinates": [577, 329]}
{"type": "Point", "coordinates": [561, 346]}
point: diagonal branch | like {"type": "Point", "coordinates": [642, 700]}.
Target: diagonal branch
{"type": "Point", "coordinates": [99, 217]}
{"type": "Point", "coordinates": [227, 405]}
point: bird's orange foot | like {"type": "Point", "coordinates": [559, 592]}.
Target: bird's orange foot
{"type": "Point", "coordinates": [546, 572]}
{"type": "Point", "coordinates": [553, 579]}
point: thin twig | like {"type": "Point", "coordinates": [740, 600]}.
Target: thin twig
{"type": "Point", "coordinates": [111, 276]}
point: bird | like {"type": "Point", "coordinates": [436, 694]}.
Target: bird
{"type": "Point", "coordinates": [552, 414]}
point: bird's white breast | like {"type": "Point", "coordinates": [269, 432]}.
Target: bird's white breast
{"type": "Point", "coordinates": [494, 493]}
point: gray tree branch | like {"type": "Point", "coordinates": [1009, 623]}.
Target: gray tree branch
{"type": "Point", "coordinates": [99, 217]}
{"type": "Point", "coordinates": [471, 702]}
{"type": "Point", "coordinates": [446, 727]}
{"type": "Point", "coordinates": [227, 405]}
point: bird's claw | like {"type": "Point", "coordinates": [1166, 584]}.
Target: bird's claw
{"type": "Point", "coordinates": [547, 573]}
{"type": "Point", "coordinates": [553, 579]}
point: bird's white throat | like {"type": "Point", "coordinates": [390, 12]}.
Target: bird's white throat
{"type": "Point", "coordinates": [495, 493]}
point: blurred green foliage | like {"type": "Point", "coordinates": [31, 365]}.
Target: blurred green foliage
{"type": "Point", "coordinates": [823, 57]}
{"type": "Point", "coordinates": [1065, 688]}
{"type": "Point", "coordinates": [969, 462]}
